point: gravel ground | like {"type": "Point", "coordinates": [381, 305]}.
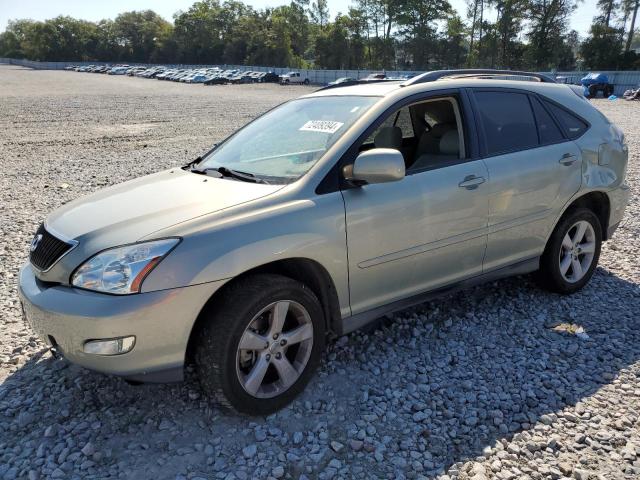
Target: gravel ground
{"type": "Point", "coordinates": [474, 386]}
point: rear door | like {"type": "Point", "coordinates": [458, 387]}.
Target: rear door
{"type": "Point", "coordinates": [534, 169]}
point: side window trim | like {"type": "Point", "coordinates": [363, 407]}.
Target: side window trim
{"type": "Point", "coordinates": [473, 137]}
{"type": "Point", "coordinates": [461, 135]}
{"type": "Point", "coordinates": [535, 120]}
{"type": "Point", "coordinates": [534, 98]}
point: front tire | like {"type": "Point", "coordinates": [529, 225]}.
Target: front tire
{"type": "Point", "coordinates": [261, 344]}
{"type": "Point", "coordinates": [572, 253]}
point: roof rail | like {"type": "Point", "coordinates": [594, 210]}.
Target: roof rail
{"type": "Point", "coordinates": [361, 81]}
{"type": "Point", "coordinates": [475, 73]}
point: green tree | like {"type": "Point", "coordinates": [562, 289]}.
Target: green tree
{"type": "Point", "coordinates": [319, 12]}
{"type": "Point", "coordinates": [141, 35]}
{"type": "Point", "coordinates": [510, 15]}
{"type": "Point", "coordinates": [547, 35]}
{"type": "Point", "coordinates": [198, 32]}
{"type": "Point", "coordinates": [417, 28]}
{"type": "Point", "coordinates": [601, 50]}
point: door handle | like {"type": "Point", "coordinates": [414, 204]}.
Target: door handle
{"type": "Point", "coordinates": [568, 159]}
{"type": "Point", "coordinates": [471, 182]}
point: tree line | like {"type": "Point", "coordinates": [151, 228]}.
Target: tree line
{"type": "Point", "coordinates": [370, 34]}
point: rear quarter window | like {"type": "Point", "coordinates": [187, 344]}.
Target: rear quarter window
{"type": "Point", "coordinates": [573, 125]}
{"type": "Point", "coordinates": [547, 128]}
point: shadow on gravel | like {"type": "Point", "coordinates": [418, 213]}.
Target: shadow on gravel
{"type": "Point", "coordinates": [494, 367]}
{"type": "Point", "coordinates": [421, 392]}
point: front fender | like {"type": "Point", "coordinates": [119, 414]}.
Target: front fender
{"type": "Point", "coordinates": [218, 247]}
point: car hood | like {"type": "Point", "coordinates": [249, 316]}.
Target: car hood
{"type": "Point", "coordinates": [132, 210]}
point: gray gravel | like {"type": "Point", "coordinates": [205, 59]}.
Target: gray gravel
{"type": "Point", "coordinates": [474, 386]}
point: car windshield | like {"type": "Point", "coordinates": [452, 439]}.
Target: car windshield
{"type": "Point", "coordinates": [286, 142]}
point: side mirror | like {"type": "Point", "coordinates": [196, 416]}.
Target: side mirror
{"type": "Point", "coordinates": [378, 165]}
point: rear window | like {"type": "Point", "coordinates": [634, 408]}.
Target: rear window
{"type": "Point", "coordinates": [547, 128]}
{"type": "Point", "coordinates": [573, 125]}
{"type": "Point", "coordinates": [507, 120]}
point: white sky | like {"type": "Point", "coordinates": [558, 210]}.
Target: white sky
{"type": "Point", "coordinates": [98, 9]}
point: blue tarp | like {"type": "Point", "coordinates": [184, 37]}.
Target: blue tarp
{"type": "Point", "coordinates": [592, 78]}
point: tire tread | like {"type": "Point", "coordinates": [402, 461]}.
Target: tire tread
{"type": "Point", "coordinates": [216, 335]}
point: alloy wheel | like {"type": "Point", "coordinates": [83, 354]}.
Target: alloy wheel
{"type": "Point", "coordinates": [577, 251]}
{"type": "Point", "coordinates": [274, 349]}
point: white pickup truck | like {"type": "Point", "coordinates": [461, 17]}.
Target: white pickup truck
{"type": "Point", "coordinates": [293, 77]}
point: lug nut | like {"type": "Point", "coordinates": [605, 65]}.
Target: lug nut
{"type": "Point", "coordinates": [268, 357]}
{"type": "Point", "coordinates": [283, 342]}
{"type": "Point", "coordinates": [278, 355]}
{"type": "Point", "coordinates": [275, 336]}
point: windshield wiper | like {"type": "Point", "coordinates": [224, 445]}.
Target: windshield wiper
{"type": "Point", "coordinates": [244, 176]}
{"type": "Point", "coordinates": [212, 172]}
{"type": "Point", "coordinates": [192, 163]}
{"type": "Point", "coordinates": [220, 172]}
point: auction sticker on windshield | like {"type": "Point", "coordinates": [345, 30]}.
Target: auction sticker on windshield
{"type": "Point", "coordinates": [323, 126]}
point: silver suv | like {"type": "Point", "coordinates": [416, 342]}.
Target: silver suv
{"type": "Point", "coordinates": [320, 216]}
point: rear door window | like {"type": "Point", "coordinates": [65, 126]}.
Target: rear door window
{"type": "Point", "coordinates": [507, 120]}
{"type": "Point", "coordinates": [547, 128]}
{"type": "Point", "coordinates": [573, 125]}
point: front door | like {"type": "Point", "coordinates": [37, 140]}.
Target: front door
{"type": "Point", "coordinates": [426, 230]}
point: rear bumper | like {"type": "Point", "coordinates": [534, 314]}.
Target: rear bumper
{"type": "Point", "coordinates": [618, 199]}
{"type": "Point", "coordinates": [161, 322]}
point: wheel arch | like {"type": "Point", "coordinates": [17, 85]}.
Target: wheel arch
{"type": "Point", "coordinates": [306, 271]}
{"type": "Point", "coordinates": [598, 202]}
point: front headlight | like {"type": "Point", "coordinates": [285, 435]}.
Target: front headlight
{"type": "Point", "coordinates": [122, 270]}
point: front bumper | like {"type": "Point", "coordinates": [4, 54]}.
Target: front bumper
{"type": "Point", "coordinates": [161, 321]}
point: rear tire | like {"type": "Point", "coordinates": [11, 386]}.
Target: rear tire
{"type": "Point", "coordinates": [572, 253]}
{"type": "Point", "coordinates": [260, 344]}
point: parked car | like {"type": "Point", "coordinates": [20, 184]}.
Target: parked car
{"type": "Point", "coordinates": [198, 78]}
{"type": "Point", "coordinates": [320, 216]}
{"type": "Point", "coordinates": [270, 77]}
{"type": "Point", "coordinates": [133, 70]}
{"type": "Point", "coordinates": [217, 80]}
{"type": "Point", "coordinates": [343, 80]}
{"type": "Point", "coordinates": [376, 76]}
{"type": "Point", "coordinates": [242, 77]}
{"type": "Point", "coordinates": [118, 71]}
{"type": "Point", "coordinates": [293, 77]}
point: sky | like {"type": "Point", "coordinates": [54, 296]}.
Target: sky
{"type": "Point", "coordinates": [98, 9]}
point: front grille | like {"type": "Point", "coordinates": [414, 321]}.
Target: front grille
{"type": "Point", "coordinates": [48, 249]}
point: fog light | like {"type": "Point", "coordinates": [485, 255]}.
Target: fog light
{"type": "Point", "coordinates": [114, 346]}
